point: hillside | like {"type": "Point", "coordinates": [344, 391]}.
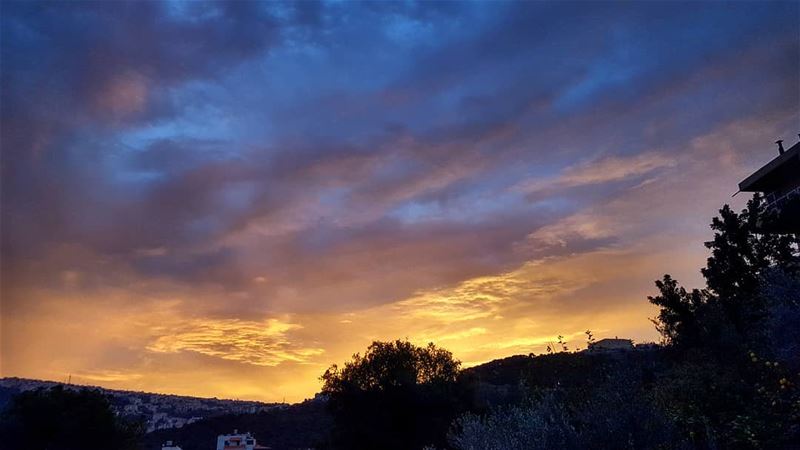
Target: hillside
{"type": "Point", "coordinates": [157, 411]}
{"type": "Point", "coordinates": [494, 383]}
{"type": "Point", "coordinates": [287, 427]}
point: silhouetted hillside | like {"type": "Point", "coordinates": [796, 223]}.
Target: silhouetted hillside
{"type": "Point", "coordinates": [156, 411]}
{"type": "Point", "coordinates": [509, 380]}
{"type": "Point", "coordinates": [300, 426]}
{"type": "Point", "coordinates": [563, 367]}
{"type": "Point", "coordinates": [499, 382]}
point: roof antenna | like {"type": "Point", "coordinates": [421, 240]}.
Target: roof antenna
{"type": "Point", "coordinates": [780, 146]}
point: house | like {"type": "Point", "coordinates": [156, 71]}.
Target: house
{"type": "Point", "coordinates": [612, 345]}
{"type": "Point", "coordinates": [237, 441]}
{"type": "Point", "coordinates": [779, 182]}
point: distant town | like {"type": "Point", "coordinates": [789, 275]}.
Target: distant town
{"type": "Point", "coordinates": [157, 411]}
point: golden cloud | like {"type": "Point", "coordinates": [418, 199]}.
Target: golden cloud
{"type": "Point", "coordinates": [477, 298]}
{"type": "Point", "coordinates": [603, 170]}
{"type": "Point", "coordinates": [261, 343]}
{"type": "Point", "coordinates": [106, 376]}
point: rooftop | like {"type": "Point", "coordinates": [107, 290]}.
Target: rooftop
{"type": "Point", "coordinates": [768, 178]}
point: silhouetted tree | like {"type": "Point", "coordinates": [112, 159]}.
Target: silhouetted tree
{"type": "Point", "coordinates": [731, 306]}
{"type": "Point", "coordinates": [677, 320]}
{"type": "Point", "coordinates": [736, 340]}
{"type": "Point", "coordinates": [65, 419]}
{"type": "Point", "coordinates": [740, 252]}
{"type": "Point", "coordinates": [395, 396]}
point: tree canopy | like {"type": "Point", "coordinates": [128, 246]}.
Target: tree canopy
{"type": "Point", "coordinates": [732, 304]}
{"type": "Point", "coordinates": [65, 419]}
{"type": "Point", "coordinates": [396, 396]}
{"type": "Point", "coordinates": [388, 365]}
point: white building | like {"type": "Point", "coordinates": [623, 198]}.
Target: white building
{"type": "Point", "coordinates": [237, 441]}
{"type": "Point", "coordinates": [612, 344]}
{"type": "Point", "coordinates": [170, 446]}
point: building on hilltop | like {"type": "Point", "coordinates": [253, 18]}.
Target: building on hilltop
{"type": "Point", "coordinates": [779, 182]}
{"type": "Point", "coordinates": [612, 345]}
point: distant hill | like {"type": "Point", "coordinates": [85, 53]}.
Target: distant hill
{"type": "Point", "coordinates": [157, 411]}
{"type": "Point", "coordinates": [287, 427]}
{"type": "Point", "coordinates": [308, 424]}
{"type": "Point", "coordinates": [194, 423]}
{"type": "Point", "coordinates": [501, 381]}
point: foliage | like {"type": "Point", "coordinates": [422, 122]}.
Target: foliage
{"type": "Point", "coordinates": [65, 419]}
{"type": "Point", "coordinates": [560, 346]}
{"type": "Point", "coordinates": [740, 253]}
{"type": "Point", "coordinates": [395, 396]}
{"type": "Point", "coordinates": [387, 365]}
{"type": "Point", "coordinates": [590, 341]}
{"type": "Point", "coordinates": [783, 293]}
{"type": "Point", "coordinates": [678, 318]}
{"type": "Point", "coordinates": [736, 341]}
{"type": "Point", "coordinates": [538, 425]}
{"type": "Point", "coordinates": [726, 312]}
{"type": "Point", "coordinates": [616, 414]}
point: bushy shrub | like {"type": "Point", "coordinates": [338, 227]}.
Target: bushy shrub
{"type": "Point", "coordinates": [65, 419]}
{"type": "Point", "coordinates": [782, 333]}
{"type": "Point", "coordinates": [543, 424]}
{"type": "Point", "coordinates": [396, 396]}
{"type": "Point", "coordinates": [617, 413]}
{"type": "Point", "coordinates": [736, 343]}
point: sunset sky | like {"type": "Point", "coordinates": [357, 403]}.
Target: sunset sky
{"type": "Point", "coordinates": [223, 199]}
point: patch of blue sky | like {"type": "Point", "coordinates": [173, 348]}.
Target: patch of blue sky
{"type": "Point", "coordinates": [119, 174]}
{"type": "Point", "coordinates": [115, 160]}
{"type": "Point", "coordinates": [489, 204]}
{"type": "Point", "coordinates": [190, 10]}
{"type": "Point", "coordinates": [198, 120]}
{"type": "Point", "coordinates": [302, 91]}
{"type": "Point", "coordinates": [323, 77]}
{"type": "Point", "coordinates": [556, 204]}
{"type": "Point", "coordinates": [414, 212]}
{"type": "Point", "coordinates": [204, 226]}
{"type": "Point", "coordinates": [601, 77]}
{"type": "Point", "coordinates": [137, 177]}
{"type": "Point", "coordinates": [397, 168]}
{"type": "Point", "coordinates": [280, 10]}
{"type": "Point", "coordinates": [239, 196]}
{"type": "Point", "coordinates": [643, 52]}
{"type": "Point", "coordinates": [503, 190]}
{"type": "Point", "coordinates": [197, 123]}
{"type": "Point", "coordinates": [468, 208]}
{"type": "Point", "coordinates": [405, 30]}
{"type": "Point", "coordinates": [334, 197]}
{"type": "Point", "coordinates": [321, 83]}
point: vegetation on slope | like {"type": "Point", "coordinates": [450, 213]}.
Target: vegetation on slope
{"type": "Point", "coordinates": [65, 419]}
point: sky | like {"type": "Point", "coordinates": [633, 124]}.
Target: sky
{"type": "Point", "coordinates": [223, 199]}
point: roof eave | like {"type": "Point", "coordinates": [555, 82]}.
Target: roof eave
{"type": "Point", "coordinates": [750, 184]}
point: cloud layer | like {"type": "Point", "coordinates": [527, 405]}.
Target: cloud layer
{"type": "Point", "coordinates": [224, 198]}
